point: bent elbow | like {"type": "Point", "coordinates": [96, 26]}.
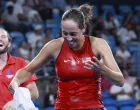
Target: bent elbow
{"type": "Point", "coordinates": [35, 96]}
{"type": "Point", "coordinates": [121, 84]}
{"type": "Point", "coordinates": [121, 81]}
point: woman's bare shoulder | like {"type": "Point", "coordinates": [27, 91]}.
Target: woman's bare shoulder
{"type": "Point", "coordinates": [96, 42]}
{"type": "Point", "coordinates": [53, 47]}
{"type": "Point", "coordinates": [55, 43]}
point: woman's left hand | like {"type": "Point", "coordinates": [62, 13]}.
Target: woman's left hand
{"type": "Point", "coordinates": [98, 65]}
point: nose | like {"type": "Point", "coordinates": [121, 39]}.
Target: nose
{"type": "Point", "coordinates": [68, 37]}
{"type": "Point", "coordinates": [0, 38]}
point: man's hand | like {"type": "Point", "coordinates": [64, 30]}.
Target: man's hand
{"type": "Point", "coordinates": [9, 106]}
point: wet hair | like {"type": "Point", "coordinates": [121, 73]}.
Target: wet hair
{"type": "Point", "coordinates": [9, 38]}
{"type": "Point", "coordinates": [82, 15]}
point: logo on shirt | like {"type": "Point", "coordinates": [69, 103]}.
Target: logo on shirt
{"type": "Point", "coordinates": [9, 74]}
{"type": "Point", "coordinates": [84, 60]}
{"type": "Point", "coordinates": [72, 62]}
{"type": "Point", "coordinates": [67, 61]}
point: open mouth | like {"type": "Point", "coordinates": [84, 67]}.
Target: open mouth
{"type": "Point", "coordinates": [1, 44]}
{"type": "Point", "coordinates": [71, 42]}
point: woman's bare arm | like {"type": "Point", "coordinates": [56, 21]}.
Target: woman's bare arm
{"type": "Point", "coordinates": [38, 62]}
{"type": "Point", "coordinates": [107, 64]}
{"type": "Point", "coordinates": [111, 69]}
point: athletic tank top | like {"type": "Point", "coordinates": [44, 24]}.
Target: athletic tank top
{"type": "Point", "coordinates": [78, 88]}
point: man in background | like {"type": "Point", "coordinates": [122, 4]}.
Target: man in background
{"type": "Point", "coordinates": [9, 65]}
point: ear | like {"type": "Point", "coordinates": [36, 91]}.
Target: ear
{"type": "Point", "coordinates": [9, 45]}
{"type": "Point", "coordinates": [84, 29]}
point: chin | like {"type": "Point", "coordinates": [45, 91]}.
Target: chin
{"type": "Point", "coordinates": [72, 46]}
{"type": "Point", "coordinates": [3, 50]}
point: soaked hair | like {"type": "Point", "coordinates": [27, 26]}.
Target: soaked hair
{"type": "Point", "coordinates": [9, 38]}
{"type": "Point", "coordinates": [82, 15]}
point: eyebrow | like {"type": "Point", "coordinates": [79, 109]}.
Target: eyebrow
{"type": "Point", "coordinates": [3, 35]}
{"type": "Point", "coordinates": [69, 32]}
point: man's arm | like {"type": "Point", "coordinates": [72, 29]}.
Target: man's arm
{"type": "Point", "coordinates": [33, 90]}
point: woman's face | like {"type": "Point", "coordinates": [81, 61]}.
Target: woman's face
{"type": "Point", "coordinates": [72, 34]}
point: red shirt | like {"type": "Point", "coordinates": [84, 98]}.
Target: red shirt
{"type": "Point", "coordinates": [7, 74]}
{"type": "Point", "coordinates": [78, 88]}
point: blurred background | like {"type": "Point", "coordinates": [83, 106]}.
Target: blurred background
{"type": "Point", "coordinates": [32, 23]}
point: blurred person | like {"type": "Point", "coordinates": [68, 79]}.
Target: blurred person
{"type": "Point", "coordinates": [125, 59]}
{"type": "Point", "coordinates": [79, 63]}
{"type": "Point", "coordinates": [41, 42]}
{"type": "Point", "coordinates": [50, 97]}
{"type": "Point", "coordinates": [9, 65]}
{"type": "Point", "coordinates": [23, 25]}
{"type": "Point", "coordinates": [128, 18]}
{"type": "Point", "coordinates": [31, 14]}
{"type": "Point", "coordinates": [49, 69]}
{"type": "Point", "coordinates": [122, 53]}
{"type": "Point", "coordinates": [36, 35]}
{"type": "Point", "coordinates": [71, 4]}
{"type": "Point", "coordinates": [18, 7]}
{"type": "Point", "coordinates": [17, 16]}
{"type": "Point", "coordinates": [32, 3]}
{"type": "Point", "coordinates": [48, 35]}
{"type": "Point", "coordinates": [45, 11]}
{"type": "Point", "coordinates": [10, 19]}
{"type": "Point", "coordinates": [129, 79]}
{"type": "Point", "coordinates": [124, 92]}
{"type": "Point", "coordinates": [111, 22]}
{"type": "Point", "coordinates": [24, 51]}
{"type": "Point", "coordinates": [60, 5]}
{"type": "Point", "coordinates": [126, 33]}
{"type": "Point", "coordinates": [131, 33]}
{"type": "Point", "coordinates": [137, 90]}
{"type": "Point", "coordinates": [131, 67]}
{"type": "Point", "coordinates": [98, 25]}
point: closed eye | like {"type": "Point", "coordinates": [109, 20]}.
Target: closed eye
{"type": "Point", "coordinates": [69, 33]}
{"type": "Point", "coordinates": [72, 34]}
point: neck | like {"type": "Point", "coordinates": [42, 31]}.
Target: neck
{"type": "Point", "coordinates": [81, 43]}
{"type": "Point", "coordinates": [3, 57]}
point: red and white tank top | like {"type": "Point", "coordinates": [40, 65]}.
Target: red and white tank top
{"type": "Point", "coordinates": [78, 88]}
